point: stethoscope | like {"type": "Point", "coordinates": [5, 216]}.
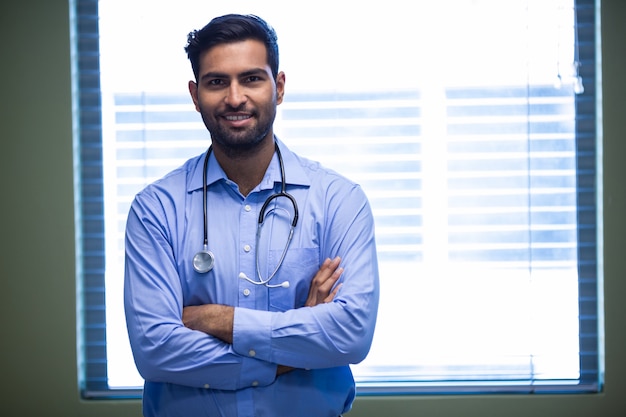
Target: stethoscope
{"type": "Point", "coordinates": [204, 260]}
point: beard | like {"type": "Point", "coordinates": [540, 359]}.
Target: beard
{"type": "Point", "coordinates": [239, 141]}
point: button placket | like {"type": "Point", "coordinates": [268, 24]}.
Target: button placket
{"type": "Point", "coordinates": [246, 254]}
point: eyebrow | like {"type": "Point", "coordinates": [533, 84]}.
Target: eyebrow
{"type": "Point", "coordinates": [247, 73]}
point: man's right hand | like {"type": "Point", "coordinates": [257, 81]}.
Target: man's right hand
{"type": "Point", "coordinates": [321, 290]}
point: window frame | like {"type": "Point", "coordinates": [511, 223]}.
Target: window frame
{"type": "Point", "coordinates": [90, 215]}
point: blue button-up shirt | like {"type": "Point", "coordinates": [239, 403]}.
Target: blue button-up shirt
{"type": "Point", "coordinates": [189, 373]}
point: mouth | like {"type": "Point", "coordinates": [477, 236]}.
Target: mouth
{"type": "Point", "coordinates": [237, 120]}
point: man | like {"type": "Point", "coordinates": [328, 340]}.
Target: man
{"type": "Point", "coordinates": [257, 324]}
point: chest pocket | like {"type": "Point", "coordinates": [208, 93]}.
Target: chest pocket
{"type": "Point", "coordinates": [298, 268]}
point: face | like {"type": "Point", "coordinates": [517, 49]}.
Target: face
{"type": "Point", "coordinates": [237, 95]}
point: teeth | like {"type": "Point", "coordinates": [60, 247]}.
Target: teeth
{"type": "Point", "coordinates": [236, 118]}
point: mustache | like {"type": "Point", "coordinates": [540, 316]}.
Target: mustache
{"type": "Point", "coordinates": [230, 109]}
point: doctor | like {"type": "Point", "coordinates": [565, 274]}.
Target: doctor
{"type": "Point", "coordinates": [270, 327]}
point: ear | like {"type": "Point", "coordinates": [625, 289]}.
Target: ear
{"type": "Point", "coordinates": [193, 91]}
{"type": "Point", "coordinates": [280, 87]}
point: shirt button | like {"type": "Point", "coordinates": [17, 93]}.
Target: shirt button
{"type": "Point", "coordinates": [246, 292]}
{"type": "Point", "coordinates": [207, 386]}
{"type": "Point", "coordinates": [247, 207]}
{"type": "Point", "coordinates": [246, 248]}
{"type": "Point", "coordinates": [252, 353]}
{"type": "Point", "coordinates": [255, 383]}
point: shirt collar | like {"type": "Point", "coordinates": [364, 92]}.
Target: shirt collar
{"type": "Point", "coordinates": [294, 173]}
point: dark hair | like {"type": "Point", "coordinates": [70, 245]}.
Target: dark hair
{"type": "Point", "coordinates": [232, 28]}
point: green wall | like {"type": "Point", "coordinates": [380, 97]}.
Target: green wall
{"type": "Point", "coordinates": [37, 262]}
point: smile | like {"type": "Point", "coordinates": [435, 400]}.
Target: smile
{"type": "Point", "coordinates": [237, 118]}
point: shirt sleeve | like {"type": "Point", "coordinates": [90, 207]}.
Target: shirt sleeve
{"type": "Point", "coordinates": [164, 349]}
{"type": "Point", "coordinates": [333, 334]}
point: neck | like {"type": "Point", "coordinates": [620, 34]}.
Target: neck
{"type": "Point", "coordinates": [246, 169]}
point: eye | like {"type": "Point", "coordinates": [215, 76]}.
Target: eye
{"type": "Point", "coordinates": [215, 82]}
{"type": "Point", "coordinates": [253, 79]}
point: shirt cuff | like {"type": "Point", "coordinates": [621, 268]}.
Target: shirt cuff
{"type": "Point", "coordinates": [255, 373]}
{"type": "Point", "coordinates": [252, 333]}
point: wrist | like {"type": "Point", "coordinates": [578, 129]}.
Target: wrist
{"type": "Point", "coordinates": [221, 322]}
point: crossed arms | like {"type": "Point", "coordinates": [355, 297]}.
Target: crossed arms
{"type": "Point", "coordinates": [217, 320]}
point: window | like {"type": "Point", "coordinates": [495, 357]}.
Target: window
{"type": "Point", "coordinates": [470, 125]}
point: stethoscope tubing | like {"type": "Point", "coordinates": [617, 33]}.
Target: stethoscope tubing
{"type": "Point", "coordinates": [204, 260]}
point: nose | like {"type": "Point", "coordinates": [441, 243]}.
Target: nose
{"type": "Point", "coordinates": [235, 96]}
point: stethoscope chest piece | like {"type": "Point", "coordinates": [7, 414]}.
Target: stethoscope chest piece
{"type": "Point", "coordinates": [203, 261]}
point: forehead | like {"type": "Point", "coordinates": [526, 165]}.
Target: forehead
{"type": "Point", "coordinates": [234, 57]}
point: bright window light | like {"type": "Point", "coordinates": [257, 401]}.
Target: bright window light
{"type": "Point", "coordinates": [456, 117]}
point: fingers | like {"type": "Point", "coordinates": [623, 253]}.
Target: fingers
{"type": "Point", "coordinates": [321, 290]}
{"type": "Point", "coordinates": [332, 279]}
{"type": "Point", "coordinates": [332, 295]}
{"type": "Point", "coordinates": [327, 275]}
{"type": "Point", "coordinates": [326, 271]}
